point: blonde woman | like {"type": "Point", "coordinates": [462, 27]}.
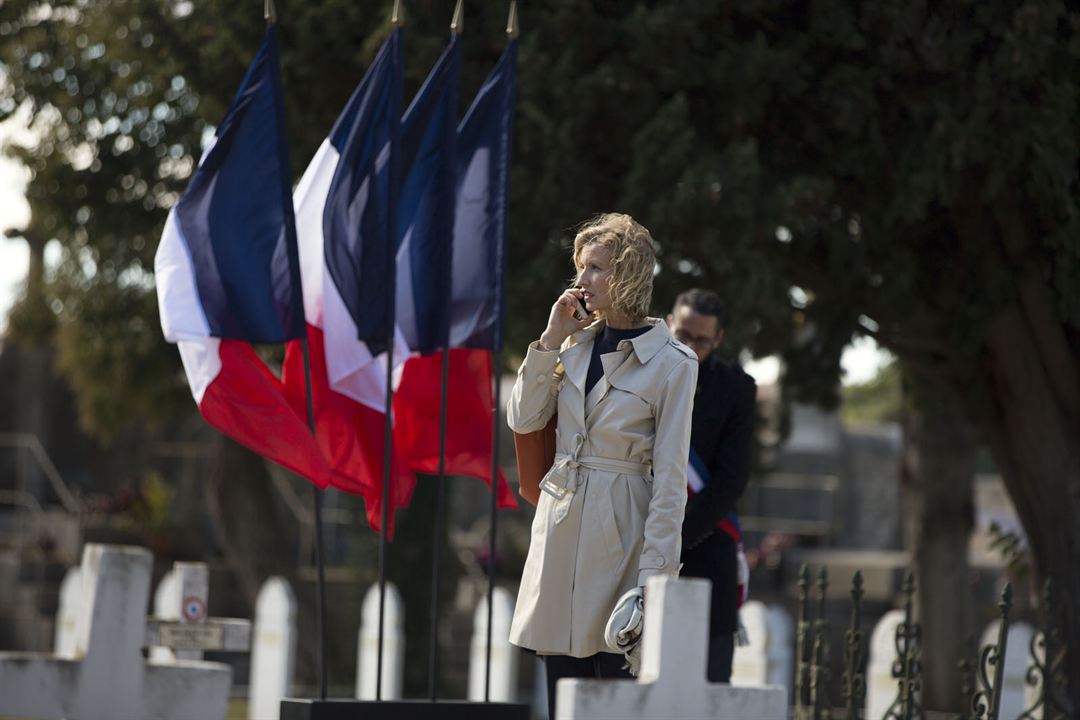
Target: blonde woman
{"type": "Point", "coordinates": [611, 511]}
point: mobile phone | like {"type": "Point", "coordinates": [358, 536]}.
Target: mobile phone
{"type": "Point", "coordinates": [581, 313]}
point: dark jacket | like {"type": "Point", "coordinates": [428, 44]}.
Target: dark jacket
{"type": "Point", "coordinates": [721, 433]}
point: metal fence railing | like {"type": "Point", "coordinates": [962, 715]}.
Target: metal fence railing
{"type": "Point", "coordinates": [982, 675]}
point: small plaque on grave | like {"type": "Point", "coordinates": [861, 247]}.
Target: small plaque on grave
{"type": "Point", "coordinates": [192, 637]}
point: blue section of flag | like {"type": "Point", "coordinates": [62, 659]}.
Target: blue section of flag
{"type": "Point", "coordinates": [359, 219]}
{"type": "Point", "coordinates": [483, 178]}
{"type": "Point", "coordinates": [236, 216]}
{"type": "Point", "coordinates": [426, 203]}
{"type": "Point", "coordinates": [700, 468]}
{"type": "Point", "coordinates": [702, 471]}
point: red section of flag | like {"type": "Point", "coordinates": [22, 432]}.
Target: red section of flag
{"type": "Point", "coordinates": [246, 402]}
{"type": "Point", "coordinates": [349, 434]}
{"type": "Point", "coordinates": [470, 413]}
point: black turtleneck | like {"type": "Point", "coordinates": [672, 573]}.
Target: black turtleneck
{"type": "Point", "coordinates": [607, 340]}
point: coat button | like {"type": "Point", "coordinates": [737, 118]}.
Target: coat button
{"type": "Point", "coordinates": [660, 561]}
{"type": "Point", "coordinates": [540, 379]}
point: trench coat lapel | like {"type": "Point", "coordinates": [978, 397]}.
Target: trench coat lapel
{"type": "Point", "coordinates": [575, 360]}
{"type": "Point", "coordinates": [595, 396]}
{"type": "Point", "coordinates": [613, 363]}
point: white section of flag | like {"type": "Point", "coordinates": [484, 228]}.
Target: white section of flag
{"type": "Point", "coordinates": [182, 314]}
{"type": "Point", "coordinates": [351, 369]}
{"type": "Point", "coordinates": [183, 320]}
{"type": "Point", "coordinates": [693, 479]}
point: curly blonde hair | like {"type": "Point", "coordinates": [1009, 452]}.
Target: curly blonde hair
{"type": "Point", "coordinates": [633, 257]}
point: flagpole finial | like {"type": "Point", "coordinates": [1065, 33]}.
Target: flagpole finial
{"type": "Point", "coordinates": [512, 20]}
{"type": "Point", "coordinates": [269, 12]}
{"type": "Point", "coordinates": [397, 18]}
{"type": "Point", "coordinates": [458, 23]}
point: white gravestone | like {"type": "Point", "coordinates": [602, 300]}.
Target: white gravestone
{"type": "Point", "coordinates": [108, 677]}
{"type": "Point", "coordinates": [767, 658]}
{"type": "Point", "coordinates": [540, 699]}
{"type": "Point", "coordinates": [881, 686]}
{"type": "Point", "coordinates": [504, 656]}
{"type": "Point", "coordinates": [393, 667]}
{"type": "Point", "coordinates": [67, 614]}
{"type": "Point", "coordinates": [166, 609]}
{"type": "Point", "coordinates": [750, 663]}
{"type": "Point", "coordinates": [1013, 679]}
{"type": "Point", "coordinates": [781, 648]}
{"type": "Point", "coordinates": [672, 682]}
{"type": "Point", "coordinates": [180, 629]}
{"type": "Point", "coordinates": [274, 650]}
{"type": "Point", "coordinates": [182, 596]}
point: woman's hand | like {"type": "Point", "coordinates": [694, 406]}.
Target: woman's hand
{"type": "Point", "coordinates": [561, 322]}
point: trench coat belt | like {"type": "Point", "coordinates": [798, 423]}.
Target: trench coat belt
{"type": "Point", "coordinates": [562, 479]}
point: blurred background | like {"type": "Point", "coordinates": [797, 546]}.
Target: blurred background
{"type": "Point", "coordinates": [884, 193]}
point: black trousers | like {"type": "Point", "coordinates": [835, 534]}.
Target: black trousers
{"type": "Point", "coordinates": [714, 559]}
{"type": "Point", "coordinates": [601, 665]}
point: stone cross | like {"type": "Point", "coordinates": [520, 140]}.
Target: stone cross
{"type": "Point", "coordinates": [180, 628]}
{"type": "Point", "coordinates": [672, 682]}
{"type": "Point", "coordinates": [107, 676]}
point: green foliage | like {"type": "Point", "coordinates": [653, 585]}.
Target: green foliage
{"type": "Point", "coordinates": [879, 400]}
{"type": "Point", "coordinates": [823, 165]}
{"type": "Point", "coordinates": [1012, 548]}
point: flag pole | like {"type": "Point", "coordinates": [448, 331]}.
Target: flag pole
{"type": "Point", "coordinates": [496, 365]}
{"type": "Point", "coordinates": [396, 22]}
{"type": "Point", "coordinates": [457, 24]}
{"type": "Point", "coordinates": [270, 15]}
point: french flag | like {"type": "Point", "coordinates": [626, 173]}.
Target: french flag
{"type": "Point", "coordinates": [438, 260]}
{"type": "Point", "coordinates": [227, 275]}
{"type": "Point", "coordinates": [345, 212]}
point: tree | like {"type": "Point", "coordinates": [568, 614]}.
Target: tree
{"type": "Point", "coordinates": [891, 169]}
{"type": "Point", "coordinates": [899, 170]}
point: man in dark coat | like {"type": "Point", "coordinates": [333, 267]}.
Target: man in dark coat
{"type": "Point", "coordinates": [720, 448]}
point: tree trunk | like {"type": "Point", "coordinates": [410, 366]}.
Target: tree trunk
{"type": "Point", "coordinates": [938, 466]}
{"type": "Point", "coordinates": [1029, 406]}
{"type": "Point", "coordinates": [259, 538]}
{"type": "Point", "coordinates": [1035, 443]}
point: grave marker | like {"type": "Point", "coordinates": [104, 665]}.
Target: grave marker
{"type": "Point", "coordinates": [274, 650]}
{"type": "Point", "coordinates": [107, 677]}
{"type": "Point", "coordinates": [672, 683]}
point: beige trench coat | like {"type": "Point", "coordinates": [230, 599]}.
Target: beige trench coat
{"type": "Point", "coordinates": [620, 467]}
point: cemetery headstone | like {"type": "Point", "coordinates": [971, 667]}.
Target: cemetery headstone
{"type": "Point", "coordinates": [67, 614]}
{"type": "Point", "coordinates": [767, 658]}
{"type": "Point", "coordinates": [393, 668]}
{"type": "Point", "coordinates": [750, 664]}
{"type": "Point", "coordinates": [182, 596]}
{"type": "Point", "coordinates": [274, 650]}
{"type": "Point", "coordinates": [107, 677]}
{"type": "Point", "coordinates": [504, 656]}
{"type": "Point", "coordinates": [1013, 680]}
{"type": "Point", "coordinates": [881, 686]}
{"type": "Point", "coordinates": [672, 682]}
{"type": "Point", "coordinates": [781, 648]}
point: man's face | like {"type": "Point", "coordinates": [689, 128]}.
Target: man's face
{"type": "Point", "coordinates": [702, 333]}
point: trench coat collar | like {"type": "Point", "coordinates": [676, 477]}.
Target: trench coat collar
{"type": "Point", "coordinates": [576, 357]}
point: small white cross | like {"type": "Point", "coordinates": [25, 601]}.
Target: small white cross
{"type": "Point", "coordinates": [672, 682]}
{"type": "Point", "coordinates": [181, 630]}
